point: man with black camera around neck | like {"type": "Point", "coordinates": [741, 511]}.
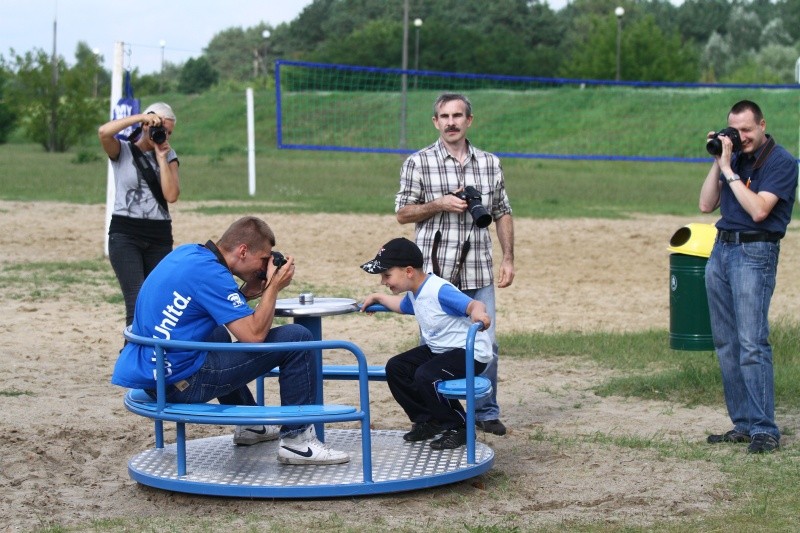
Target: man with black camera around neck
{"type": "Point", "coordinates": [192, 296]}
{"type": "Point", "coordinates": [753, 182]}
{"type": "Point", "coordinates": [452, 191]}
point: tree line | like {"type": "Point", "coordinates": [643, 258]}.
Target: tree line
{"type": "Point", "coordinates": [715, 41]}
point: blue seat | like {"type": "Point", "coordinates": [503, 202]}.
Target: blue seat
{"type": "Point", "coordinates": [139, 402]}
{"type": "Point", "coordinates": [456, 389]}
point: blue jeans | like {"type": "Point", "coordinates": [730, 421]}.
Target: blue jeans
{"type": "Point", "coordinates": [740, 280]}
{"type": "Point", "coordinates": [225, 375]}
{"type": "Point", "coordinates": [132, 259]}
{"type": "Point", "coordinates": [486, 408]}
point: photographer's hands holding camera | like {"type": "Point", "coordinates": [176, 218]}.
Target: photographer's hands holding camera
{"type": "Point", "coordinates": [151, 121]}
{"type": "Point", "coordinates": [723, 159]}
{"type": "Point", "coordinates": [453, 202]}
{"type": "Point", "coordinates": [277, 272]}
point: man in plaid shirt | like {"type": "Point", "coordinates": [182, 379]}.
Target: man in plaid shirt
{"type": "Point", "coordinates": [453, 246]}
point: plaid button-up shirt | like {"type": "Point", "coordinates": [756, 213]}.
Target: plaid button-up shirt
{"type": "Point", "coordinates": [432, 173]}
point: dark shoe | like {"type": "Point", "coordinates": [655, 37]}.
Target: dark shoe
{"type": "Point", "coordinates": [422, 431]}
{"type": "Point", "coordinates": [730, 436]}
{"type": "Point", "coordinates": [491, 426]}
{"type": "Point", "coordinates": [763, 443]}
{"type": "Point", "coordinates": [450, 439]}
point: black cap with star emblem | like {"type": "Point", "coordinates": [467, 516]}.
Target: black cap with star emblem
{"type": "Point", "coordinates": [399, 252]}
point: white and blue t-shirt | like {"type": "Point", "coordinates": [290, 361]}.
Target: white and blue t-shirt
{"type": "Point", "coordinates": [441, 311]}
{"type": "Point", "coordinates": [185, 297]}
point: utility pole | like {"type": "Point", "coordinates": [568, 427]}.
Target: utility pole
{"type": "Point", "coordinates": [54, 94]}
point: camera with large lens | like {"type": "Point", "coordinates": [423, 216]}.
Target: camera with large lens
{"type": "Point", "coordinates": [472, 196]}
{"type": "Point", "coordinates": [158, 134]}
{"type": "Point", "coordinates": [277, 259]}
{"type": "Point", "coordinates": [714, 144]}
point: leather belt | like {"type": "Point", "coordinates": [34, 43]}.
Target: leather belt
{"type": "Point", "coordinates": [738, 237]}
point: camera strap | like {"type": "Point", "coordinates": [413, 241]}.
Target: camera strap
{"type": "Point", "coordinates": [437, 239]}
{"type": "Point", "coordinates": [762, 157]}
{"type": "Point", "coordinates": [213, 247]}
{"type": "Point", "coordinates": [465, 248]}
{"type": "Point", "coordinates": [149, 175]}
{"type": "Point", "coordinates": [462, 258]}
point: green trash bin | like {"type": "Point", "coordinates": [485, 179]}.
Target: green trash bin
{"type": "Point", "coordinates": [689, 322]}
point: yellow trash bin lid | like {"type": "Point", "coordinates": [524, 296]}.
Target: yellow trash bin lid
{"type": "Point", "coordinates": [694, 239]}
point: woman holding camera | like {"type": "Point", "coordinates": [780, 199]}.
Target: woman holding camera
{"type": "Point", "coordinates": [146, 179]}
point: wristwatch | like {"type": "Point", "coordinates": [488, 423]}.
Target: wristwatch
{"type": "Point", "coordinates": [733, 178]}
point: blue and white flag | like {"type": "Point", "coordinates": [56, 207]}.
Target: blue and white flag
{"type": "Point", "coordinates": [125, 107]}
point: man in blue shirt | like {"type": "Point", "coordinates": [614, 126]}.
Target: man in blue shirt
{"type": "Point", "coordinates": [754, 188]}
{"type": "Point", "coordinates": [192, 295]}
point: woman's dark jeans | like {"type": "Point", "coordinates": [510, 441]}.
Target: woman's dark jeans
{"type": "Point", "coordinates": [133, 258]}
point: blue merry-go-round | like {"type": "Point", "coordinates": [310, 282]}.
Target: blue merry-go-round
{"type": "Point", "coordinates": [381, 461]}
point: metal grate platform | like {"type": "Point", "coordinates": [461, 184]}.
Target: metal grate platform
{"type": "Point", "coordinates": [215, 466]}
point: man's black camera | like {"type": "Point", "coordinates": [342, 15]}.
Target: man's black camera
{"type": "Point", "coordinates": [472, 196]}
{"type": "Point", "coordinates": [158, 134]}
{"type": "Point", "coordinates": [714, 144]}
{"type": "Point", "coordinates": [277, 259]}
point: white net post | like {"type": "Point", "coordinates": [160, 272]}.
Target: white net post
{"type": "Point", "coordinates": [251, 144]}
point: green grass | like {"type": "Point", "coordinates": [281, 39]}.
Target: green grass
{"type": "Point", "coordinates": [647, 368]}
{"type": "Point", "coordinates": [84, 281]}
{"type": "Point", "coordinates": [314, 182]}
{"type": "Point", "coordinates": [210, 138]}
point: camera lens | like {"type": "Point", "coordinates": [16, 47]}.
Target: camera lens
{"type": "Point", "coordinates": [158, 134]}
{"type": "Point", "coordinates": [714, 146]}
{"type": "Point", "coordinates": [278, 260]}
{"type": "Point", "coordinates": [479, 214]}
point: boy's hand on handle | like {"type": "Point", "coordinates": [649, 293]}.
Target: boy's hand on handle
{"type": "Point", "coordinates": [485, 319]}
{"type": "Point", "coordinates": [369, 300]}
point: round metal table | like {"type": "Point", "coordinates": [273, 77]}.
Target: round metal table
{"type": "Point", "coordinates": [308, 310]}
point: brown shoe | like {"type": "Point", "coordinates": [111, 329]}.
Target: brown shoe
{"type": "Point", "coordinates": [763, 443]}
{"type": "Point", "coordinates": [730, 436]}
{"type": "Point", "coordinates": [491, 426]}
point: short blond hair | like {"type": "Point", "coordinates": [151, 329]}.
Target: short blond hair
{"type": "Point", "coordinates": [251, 231]}
{"type": "Point", "coordinates": [162, 110]}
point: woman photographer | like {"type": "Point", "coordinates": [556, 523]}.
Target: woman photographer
{"type": "Point", "coordinates": [146, 178]}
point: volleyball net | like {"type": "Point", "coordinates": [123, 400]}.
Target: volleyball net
{"type": "Point", "coordinates": [364, 109]}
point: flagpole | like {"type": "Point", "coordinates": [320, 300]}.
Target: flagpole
{"type": "Point", "coordinates": [116, 94]}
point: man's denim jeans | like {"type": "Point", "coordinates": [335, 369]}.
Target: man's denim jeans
{"type": "Point", "coordinates": [487, 408]}
{"type": "Point", "coordinates": [225, 375]}
{"type": "Point", "coordinates": [740, 280]}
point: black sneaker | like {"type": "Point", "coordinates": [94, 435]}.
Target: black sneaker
{"type": "Point", "coordinates": [450, 439]}
{"type": "Point", "coordinates": [730, 436]}
{"type": "Point", "coordinates": [763, 443]}
{"type": "Point", "coordinates": [491, 426]}
{"type": "Point", "coordinates": [422, 431]}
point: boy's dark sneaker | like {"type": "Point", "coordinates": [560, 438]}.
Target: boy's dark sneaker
{"type": "Point", "coordinates": [763, 443]}
{"type": "Point", "coordinates": [450, 439]}
{"type": "Point", "coordinates": [491, 426]}
{"type": "Point", "coordinates": [422, 431]}
{"type": "Point", "coordinates": [730, 436]}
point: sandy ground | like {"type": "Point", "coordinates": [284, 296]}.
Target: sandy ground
{"type": "Point", "coordinates": [67, 437]}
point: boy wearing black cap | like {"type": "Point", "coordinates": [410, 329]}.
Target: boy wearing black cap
{"type": "Point", "coordinates": [444, 315]}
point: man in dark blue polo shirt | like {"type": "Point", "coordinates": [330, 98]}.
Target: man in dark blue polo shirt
{"type": "Point", "coordinates": [754, 188]}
